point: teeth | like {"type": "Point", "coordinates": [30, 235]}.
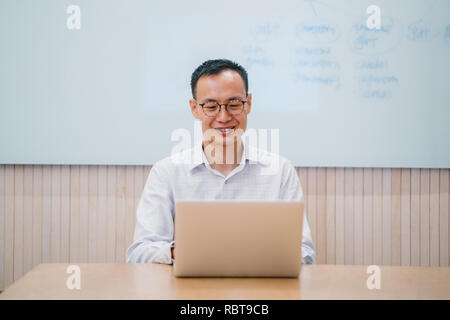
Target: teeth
{"type": "Point", "coordinates": [226, 130]}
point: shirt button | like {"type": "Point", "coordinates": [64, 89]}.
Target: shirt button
{"type": "Point", "coordinates": [226, 181]}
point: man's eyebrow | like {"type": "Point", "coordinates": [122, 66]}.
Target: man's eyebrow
{"type": "Point", "coordinates": [230, 98]}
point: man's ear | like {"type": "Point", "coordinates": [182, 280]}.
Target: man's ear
{"type": "Point", "coordinates": [194, 109]}
{"type": "Point", "coordinates": [249, 103]}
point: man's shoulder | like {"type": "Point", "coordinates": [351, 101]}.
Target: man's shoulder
{"type": "Point", "coordinates": [178, 160]}
{"type": "Point", "coordinates": [268, 159]}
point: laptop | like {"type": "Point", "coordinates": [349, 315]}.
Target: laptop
{"type": "Point", "coordinates": [238, 238]}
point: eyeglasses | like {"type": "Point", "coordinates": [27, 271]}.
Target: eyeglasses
{"type": "Point", "coordinates": [212, 108]}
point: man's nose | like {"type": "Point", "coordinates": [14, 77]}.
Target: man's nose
{"type": "Point", "coordinates": [223, 115]}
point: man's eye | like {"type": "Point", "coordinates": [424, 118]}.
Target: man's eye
{"type": "Point", "coordinates": [235, 106]}
{"type": "Point", "coordinates": [210, 107]}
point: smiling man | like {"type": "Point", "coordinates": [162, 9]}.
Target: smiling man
{"type": "Point", "coordinates": [221, 167]}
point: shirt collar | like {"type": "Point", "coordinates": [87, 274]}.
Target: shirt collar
{"type": "Point", "coordinates": [250, 155]}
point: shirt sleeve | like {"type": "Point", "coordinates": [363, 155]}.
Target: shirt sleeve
{"type": "Point", "coordinates": [291, 189]}
{"type": "Point", "coordinates": [153, 234]}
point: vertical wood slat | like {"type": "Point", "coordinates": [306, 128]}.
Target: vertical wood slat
{"type": "Point", "coordinates": [312, 203]}
{"type": "Point", "coordinates": [358, 223]}
{"type": "Point", "coordinates": [75, 197]}
{"type": "Point", "coordinates": [303, 176]}
{"type": "Point", "coordinates": [93, 212]}
{"type": "Point", "coordinates": [331, 214]}
{"type": "Point", "coordinates": [368, 216]}
{"type": "Point", "coordinates": [377, 216]}
{"type": "Point", "coordinates": [415, 217]}
{"type": "Point", "coordinates": [120, 214]}
{"type": "Point", "coordinates": [129, 205]}
{"type": "Point", "coordinates": [444, 207]}
{"type": "Point", "coordinates": [18, 221]}
{"type": "Point", "coordinates": [405, 199]}
{"type": "Point", "coordinates": [340, 216]}
{"type": "Point", "coordinates": [139, 181]}
{"type": "Point", "coordinates": [348, 216]}
{"type": "Point", "coordinates": [2, 227]}
{"type": "Point", "coordinates": [424, 217]}
{"type": "Point", "coordinates": [37, 214]}
{"type": "Point", "coordinates": [27, 218]}
{"type": "Point", "coordinates": [46, 213]}
{"type": "Point", "coordinates": [396, 217]}
{"type": "Point", "coordinates": [9, 225]}
{"type": "Point", "coordinates": [83, 246]}
{"type": "Point", "coordinates": [434, 217]}
{"type": "Point", "coordinates": [147, 172]}
{"type": "Point", "coordinates": [55, 216]}
{"type": "Point", "coordinates": [111, 215]}
{"type": "Point", "coordinates": [101, 220]}
{"type": "Point", "coordinates": [321, 219]}
{"type": "Point", "coordinates": [387, 216]}
{"type": "Point", "coordinates": [65, 214]}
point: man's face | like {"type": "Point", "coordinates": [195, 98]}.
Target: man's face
{"type": "Point", "coordinates": [223, 87]}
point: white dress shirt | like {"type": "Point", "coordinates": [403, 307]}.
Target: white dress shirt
{"type": "Point", "coordinates": [187, 175]}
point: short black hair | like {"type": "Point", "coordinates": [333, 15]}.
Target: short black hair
{"type": "Point", "coordinates": [212, 67]}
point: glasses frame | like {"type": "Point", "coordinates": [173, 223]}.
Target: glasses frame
{"type": "Point", "coordinates": [220, 107]}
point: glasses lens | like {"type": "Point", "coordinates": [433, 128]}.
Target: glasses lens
{"type": "Point", "coordinates": [235, 107]}
{"type": "Point", "coordinates": [211, 108]}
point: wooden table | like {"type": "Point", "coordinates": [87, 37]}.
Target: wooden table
{"type": "Point", "coordinates": [156, 281]}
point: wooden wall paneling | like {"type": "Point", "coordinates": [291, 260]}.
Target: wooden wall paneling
{"type": "Point", "coordinates": [377, 216]}
{"type": "Point", "coordinates": [424, 217]}
{"type": "Point", "coordinates": [396, 217]}
{"type": "Point", "coordinates": [303, 176]}
{"type": "Point", "coordinates": [130, 207]}
{"type": "Point", "coordinates": [146, 172]}
{"type": "Point", "coordinates": [434, 217]}
{"type": "Point", "coordinates": [27, 218]}
{"type": "Point", "coordinates": [415, 217]}
{"type": "Point", "coordinates": [37, 215]}
{"type": "Point", "coordinates": [65, 214]}
{"type": "Point", "coordinates": [312, 204]}
{"type": "Point", "coordinates": [348, 216]}
{"type": "Point", "coordinates": [51, 213]}
{"type": "Point", "coordinates": [331, 214]}
{"type": "Point", "coordinates": [93, 212]}
{"type": "Point", "coordinates": [2, 227]}
{"type": "Point", "coordinates": [139, 181]}
{"type": "Point", "coordinates": [387, 216]}
{"type": "Point", "coordinates": [101, 221]}
{"type": "Point", "coordinates": [18, 221]}
{"type": "Point", "coordinates": [340, 216]}
{"type": "Point", "coordinates": [55, 229]}
{"type": "Point", "coordinates": [84, 215]}
{"type": "Point", "coordinates": [75, 216]}
{"type": "Point", "coordinates": [405, 199]}
{"type": "Point", "coordinates": [111, 215]}
{"type": "Point", "coordinates": [444, 207]}
{"type": "Point", "coordinates": [358, 224]}
{"type": "Point", "coordinates": [368, 215]}
{"type": "Point", "coordinates": [120, 214]}
{"type": "Point", "coordinates": [321, 216]}
{"type": "Point", "coordinates": [9, 225]}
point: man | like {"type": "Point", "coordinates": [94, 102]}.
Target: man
{"type": "Point", "coordinates": [221, 167]}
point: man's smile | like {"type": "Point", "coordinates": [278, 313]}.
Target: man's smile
{"type": "Point", "coordinates": [224, 131]}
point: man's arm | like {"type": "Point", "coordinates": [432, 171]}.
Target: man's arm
{"type": "Point", "coordinates": [153, 234]}
{"type": "Point", "coordinates": [291, 189]}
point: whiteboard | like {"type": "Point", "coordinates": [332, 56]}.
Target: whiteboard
{"type": "Point", "coordinates": [334, 93]}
